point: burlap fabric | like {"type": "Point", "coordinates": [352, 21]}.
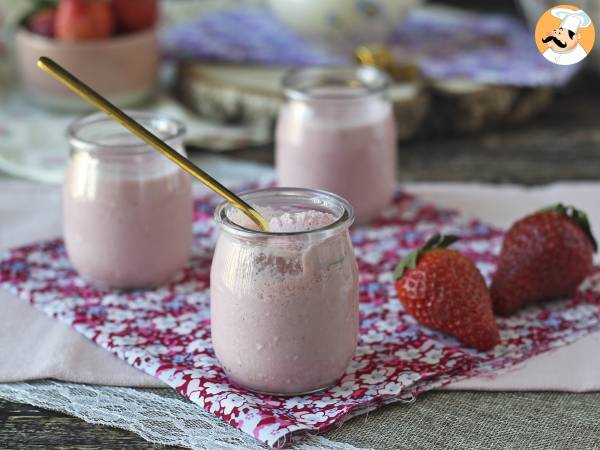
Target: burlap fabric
{"type": "Point", "coordinates": [480, 420]}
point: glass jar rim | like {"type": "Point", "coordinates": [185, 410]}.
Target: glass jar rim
{"type": "Point", "coordinates": [297, 83]}
{"type": "Point", "coordinates": [345, 219]}
{"type": "Point", "coordinates": [75, 128]}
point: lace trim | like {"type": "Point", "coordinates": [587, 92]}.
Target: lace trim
{"type": "Point", "coordinates": [157, 415]}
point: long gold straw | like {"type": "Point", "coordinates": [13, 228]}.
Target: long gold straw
{"type": "Point", "coordinates": [88, 94]}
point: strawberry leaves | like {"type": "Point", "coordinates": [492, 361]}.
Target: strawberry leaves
{"type": "Point", "coordinates": [576, 215]}
{"type": "Point", "coordinates": [410, 261]}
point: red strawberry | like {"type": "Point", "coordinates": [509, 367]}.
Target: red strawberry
{"type": "Point", "coordinates": [78, 20]}
{"type": "Point", "coordinates": [544, 256]}
{"type": "Point", "coordinates": [42, 22]}
{"type": "Point", "coordinates": [443, 290]}
{"type": "Point", "coordinates": [135, 15]}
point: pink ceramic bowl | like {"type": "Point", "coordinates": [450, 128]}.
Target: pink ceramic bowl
{"type": "Point", "coordinates": [124, 68]}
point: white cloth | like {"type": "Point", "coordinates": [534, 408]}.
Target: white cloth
{"type": "Point", "coordinates": [566, 58]}
{"type": "Point", "coordinates": [47, 348]}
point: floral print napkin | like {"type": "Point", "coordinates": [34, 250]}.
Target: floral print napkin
{"type": "Point", "coordinates": [166, 332]}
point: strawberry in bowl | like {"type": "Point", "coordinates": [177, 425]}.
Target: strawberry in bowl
{"type": "Point", "coordinates": [81, 20]}
{"type": "Point", "coordinates": [111, 44]}
{"type": "Point", "coordinates": [42, 22]}
{"type": "Point", "coordinates": [135, 15]}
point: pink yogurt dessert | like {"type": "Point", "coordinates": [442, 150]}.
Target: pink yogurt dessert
{"type": "Point", "coordinates": [284, 304]}
{"type": "Point", "coordinates": [340, 139]}
{"type": "Point", "coordinates": [127, 209]}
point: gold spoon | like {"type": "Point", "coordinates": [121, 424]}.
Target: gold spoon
{"type": "Point", "coordinates": [88, 94]}
{"type": "Point", "coordinates": [381, 57]}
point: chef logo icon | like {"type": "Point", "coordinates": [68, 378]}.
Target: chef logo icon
{"type": "Point", "coordinates": [565, 35]}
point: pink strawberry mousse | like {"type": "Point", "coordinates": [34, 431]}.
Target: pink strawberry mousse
{"type": "Point", "coordinates": [284, 309]}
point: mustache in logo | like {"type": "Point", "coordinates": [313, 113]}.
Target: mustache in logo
{"type": "Point", "coordinates": [555, 40]}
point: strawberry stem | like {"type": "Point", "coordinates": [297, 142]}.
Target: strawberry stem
{"type": "Point", "coordinates": [576, 215]}
{"type": "Point", "coordinates": [410, 261]}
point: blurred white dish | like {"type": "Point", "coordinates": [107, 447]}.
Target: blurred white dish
{"type": "Point", "coordinates": [343, 25]}
{"type": "Point", "coordinates": [33, 143]}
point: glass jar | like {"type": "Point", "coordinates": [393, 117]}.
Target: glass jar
{"type": "Point", "coordinates": [127, 209]}
{"type": "Point", "coordinates": [284, 306]}
{"type": "Point", "coordinates": [336, 132]}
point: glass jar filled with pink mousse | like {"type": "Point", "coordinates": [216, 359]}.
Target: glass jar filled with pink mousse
{"type": "Point", "coordinates": [336, 132]}
{"type": "Point", "coordinates": [127, 209]}
{"type": "Point", "coordinates": [284, 303]}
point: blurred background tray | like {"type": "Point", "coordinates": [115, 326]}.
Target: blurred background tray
{"type": "Point", "coordinates": [238, 93]}
{"type": "Point", "coordinates": [467, 71]}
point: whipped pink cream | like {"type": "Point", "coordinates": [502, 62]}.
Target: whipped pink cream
{"type": "Point", "coordinates": [287, 222]}
{"type": "Point", "coordinates": [284, 310]}
{"type": "Point", "coordinates": [300, 221]}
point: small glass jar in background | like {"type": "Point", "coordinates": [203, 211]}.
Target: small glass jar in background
{"type": "Point", "coordinates": [127, 209]}
{"type": "Point", "coordinates": [336, 132]}
{"type": "Point", "coordinates": [284, 306]}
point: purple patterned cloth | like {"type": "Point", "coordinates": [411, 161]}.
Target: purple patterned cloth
{"type": "Point", "coordinates": [244, 35]}
{"type": "Point", "coordinates": [446, 44]}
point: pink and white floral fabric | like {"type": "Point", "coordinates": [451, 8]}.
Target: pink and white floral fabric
{"type": "Point", "coordinates": [166, 332]}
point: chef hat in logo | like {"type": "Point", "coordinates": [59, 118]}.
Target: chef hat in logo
{"type": "Point", "coordinates": [572, 20]}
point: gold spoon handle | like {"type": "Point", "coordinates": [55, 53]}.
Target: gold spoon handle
{"type": "Point", "coordinates": [88, 94]}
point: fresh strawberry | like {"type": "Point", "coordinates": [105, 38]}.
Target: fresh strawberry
{"type": "Point", "coordinates": [42, 22]}
{"type": "Point", "coordinates": [135, 15]}
{"type": "Point", "coordinates": [544, 256]}
{"type": "Point", "coordinates": [443, 290]}
{"type": "Point", "coordinates": [78, 20]}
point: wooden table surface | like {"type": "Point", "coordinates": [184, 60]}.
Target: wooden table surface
{"type": "Point", "coordinates": [561, 144]}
